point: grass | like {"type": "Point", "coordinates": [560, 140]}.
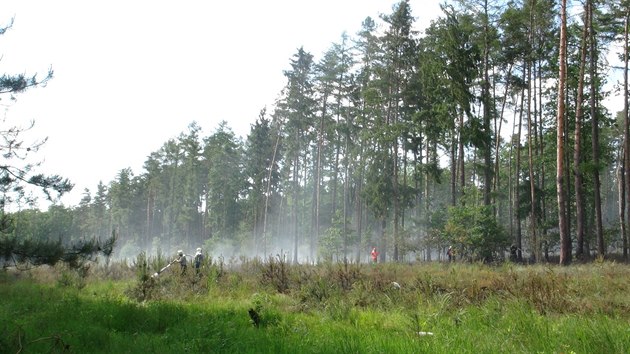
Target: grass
{"type": "Point", "coordinates": [330, 308]}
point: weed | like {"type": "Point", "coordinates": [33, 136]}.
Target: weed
{"type": "Point", "coordinates": [338, 309]}
{"type": "Point", "coordinates": [316, 291]}
{"type": "Point", "coordinates": [145, 280]}
{"type": "Point", "coordinates": [72, 278]}
{"type": "Point", "coordinates": [55, 342]}
{"type": "Point", "coordinates": [262, 313]}
{"type": "Point", "coordinates": [346, 274]}
{"type": "Point", "coordinates": [275, 272]}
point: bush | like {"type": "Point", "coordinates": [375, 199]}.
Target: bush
{"type": "Point", "coordinates": [475, 233]}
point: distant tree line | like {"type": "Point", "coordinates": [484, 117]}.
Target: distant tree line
{"type": "Point", "coordinates": [403, 140]}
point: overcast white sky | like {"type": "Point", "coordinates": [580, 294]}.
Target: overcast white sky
{"type": "Point", "coordinates": [129, 75]}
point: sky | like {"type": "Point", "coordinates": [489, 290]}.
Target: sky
{"type": "Point", "coordinates": [130, 75]}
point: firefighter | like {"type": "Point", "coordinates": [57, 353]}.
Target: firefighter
{"type": "Point", "coordinates": [374, 255]}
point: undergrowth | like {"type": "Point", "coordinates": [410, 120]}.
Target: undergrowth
{"type": "Point", "coordinates": [266, 306]}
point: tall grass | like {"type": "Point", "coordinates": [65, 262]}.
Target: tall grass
{"type": "Point", "coordinates": [329, 308]}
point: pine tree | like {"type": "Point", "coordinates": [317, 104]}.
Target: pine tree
{"type": "Point", "coordinates": [18, 178]}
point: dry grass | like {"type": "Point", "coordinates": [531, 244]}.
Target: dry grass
{"type": "Point", "coordinates": [600, 287]}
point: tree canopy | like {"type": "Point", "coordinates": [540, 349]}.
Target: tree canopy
{"type": "Point", "coordinates": [398, 138]}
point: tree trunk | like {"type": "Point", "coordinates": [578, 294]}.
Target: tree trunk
{"type": "Point", "coordinates": [402, 211]}
{"type": "Point", "coordinates": [567, 178]}
{"type": "Point", "coordinates": [599, 229]}
{"type": "Point", "coordinates": [541, 150]}
{"type": "Point", "coordinates": [335, 179]}
{"type": "Point", "coordinates": [383, 241]}
{"type": "Point", "coordinates": [497, 128]}
{"type": "Point", "coordinates": [460, 156]}
{"type": "Point", "coordinates": [621, 201]}
{"type": "Point", "coordinates": [531, 136]}
{"type": "Point", "coordinates": [268, 193]}
{"type": "Point", "coordinates": [420, 197]}
{"type": "Point", "coordinates": [294, 214]}
{"type": "Point", "coordinates": [487, 149]}
{"type": "Point", "coordinates": [317, 182]}
{"type": "Point", "coordinates": [453, 172]}
{"type": "Point", "coordinates": [346, 186]}
{"type": "Point", "coordinates": [577, 157]}
{"type": "Point", "coordinates": [532, 180]}
{"type": "Point", "coordinates": [359, 204]}
{"type": "Point", "coordinates": [626, 143]}
{"type": "Point", "coordinates": [426, 198]}
{"type": "Point", "coordinates": [517, 182]}
{"type": "Point", "coordinates": [393, 119]}
{"type": "Point", "coordinates": [565, 240]}
{"type": "Point", "coordinates": [397, 208]}
{"type": "Point", "coordinates": [150, 201]}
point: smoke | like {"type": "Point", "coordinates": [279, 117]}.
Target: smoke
{"type": "Point", "coordinates": [238, 250]}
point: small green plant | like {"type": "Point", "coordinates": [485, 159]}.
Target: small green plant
{"type": "Point", "coordinates": [75, 278]}
{"type": "Point", "coordinates": [262, 313]}
{"type": "Point", "coordinates": [145, 282]}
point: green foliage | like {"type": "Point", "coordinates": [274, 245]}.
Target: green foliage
{"type": "Point", "coordinates": [436, 232]}
{"type": "Point", "coordinates": [266, 313]}
{"type": "Point", "coordinates": [331, 244]}
{"type": "Point", "coordinates": [475, 233]}
{"type": "Point", "coordinates": [145, 285]}
{"type": "Point", "coordinates": [225, 183]}
{"type": "Point", "coordinates": [33, 252]}
{"type": "Point", "coordinates": [378, 190]}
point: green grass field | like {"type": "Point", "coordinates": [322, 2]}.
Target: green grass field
{"type": "Point", "coordinates": [329, 308]}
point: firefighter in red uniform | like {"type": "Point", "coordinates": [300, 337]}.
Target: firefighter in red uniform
{"type": "Point", "coordinates": [374, 255]}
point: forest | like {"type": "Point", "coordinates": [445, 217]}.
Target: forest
{"type": "Point", "coordinates": [486, 132]}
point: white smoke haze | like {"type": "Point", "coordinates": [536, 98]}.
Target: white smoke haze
{"type": "Point", "coordinates": [236, 251]}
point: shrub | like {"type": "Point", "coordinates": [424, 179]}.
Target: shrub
{"type": "Point", "coordinates": [475, 233]}
{"type": "Point", "coordinates": [275, 273]}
